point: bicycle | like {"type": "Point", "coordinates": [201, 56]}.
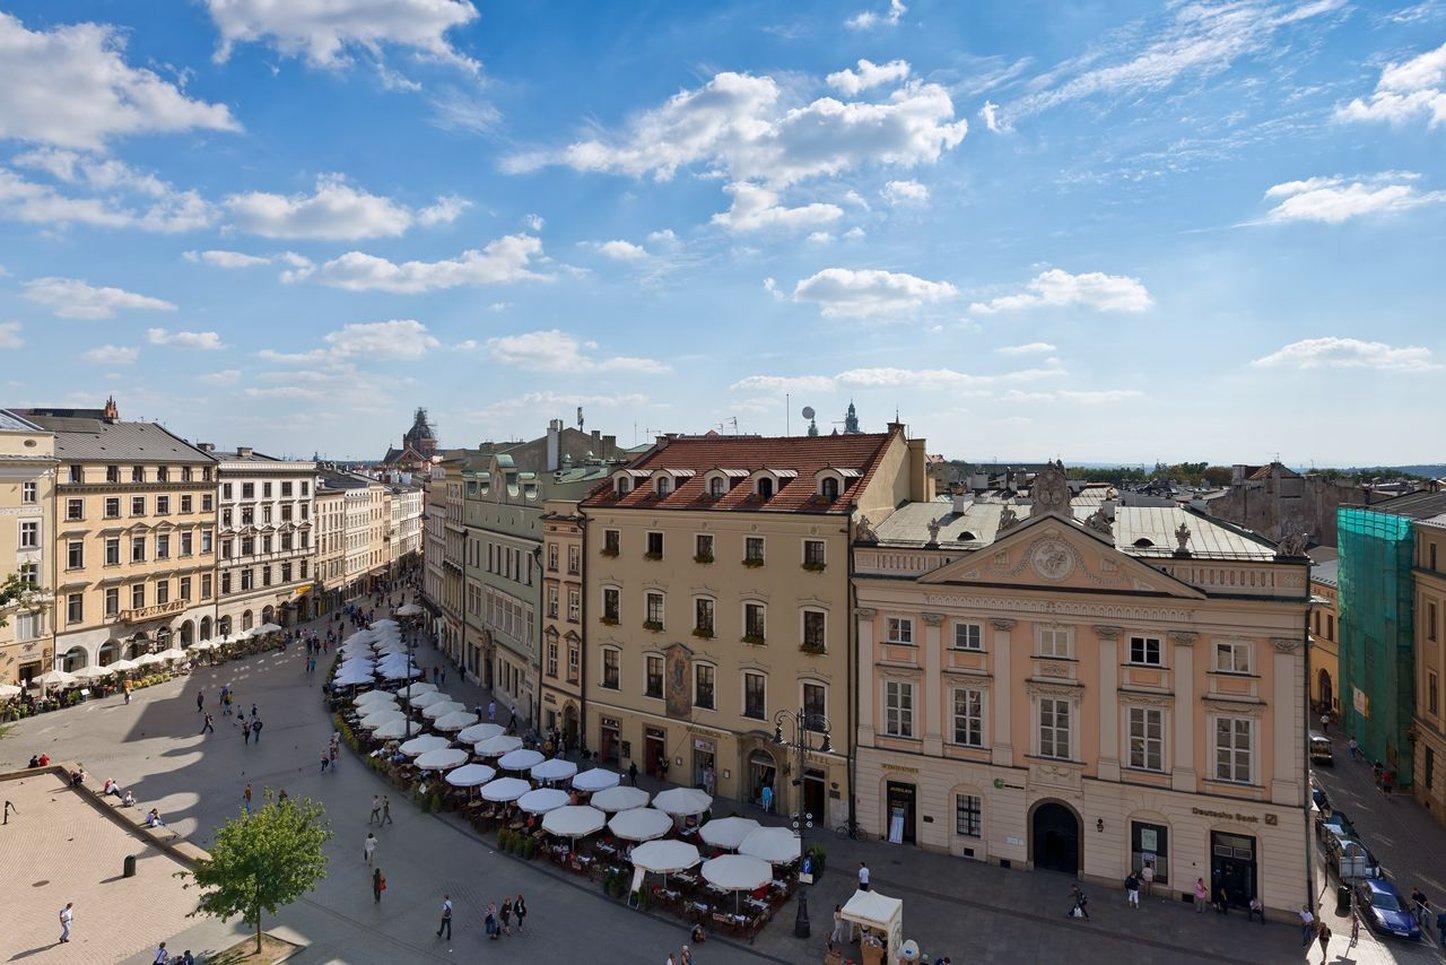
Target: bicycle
{"type": "Point", "coordinates": [851, 829]}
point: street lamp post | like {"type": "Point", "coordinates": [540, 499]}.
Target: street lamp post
{"type": "Point", "coordinates": [802, 724]}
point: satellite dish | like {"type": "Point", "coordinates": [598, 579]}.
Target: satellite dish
{"type": "Point", "coordinates": [808, 412]}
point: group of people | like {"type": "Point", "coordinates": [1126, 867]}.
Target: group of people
{"type": "Point", "coordinates": [162, 956]}
{"type": "Point", "coordinates": [497, 921]}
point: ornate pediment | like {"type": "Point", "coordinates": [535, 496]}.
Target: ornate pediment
{"type": "Point", "coordinates": [1052, 553]}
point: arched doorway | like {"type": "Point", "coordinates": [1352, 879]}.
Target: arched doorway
{"type": "Point", "coordinates": [223, 626]}
{"type": "Point", "coordinates": [762, 772]}
{"type": "Point", "coordinates": [188, 633]}
{"type": "Point", "coordinates": [569, 725]}
{"type": "Point", "coordinates": [205, 628]}
{"type": "Point", "coordinates": [1327, 695]}
{"type": "Point", "coordinates": [1054, 844]}
{"type": "Point", "coordinates": [74, 659]}
{"type": "Point", "coordinates": [247, 620]}
{"type": "Point", "coordinates": [268, 615]}
{"type": "Point", "coordinates": [109, 653]}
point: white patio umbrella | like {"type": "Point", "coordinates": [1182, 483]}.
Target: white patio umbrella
{"type": "Point", "coordinates": [737, 872]}
{"type": "Point", "coordinates": [620, 798]}
{"type": "Point", "coordinates": [92, 672]}
{"type": "Point", "coordinates": [268, 628]}
{"type": "Point", "coordinates": [173, 653]}
{"type": "Point", "coordinates": [442, 708]}
{"type": "Point", "coordinates": [55, 678]}
{"type": "Point", "coordinates": [641, 824]}
{"type": "Point", "coordinates": [542, 800]}
{"type": "Point", "coordinates": [497, 746]}
{"type": "Point", "coordinates": [396, 729]}
{"type": "Point", "coordinates": [727, 833]}
{"type": "Point", "coordinates": [418, 746]}
{"type": "Point", "coordinates": [373, 697]}
{"type": "Point", "coordinates": [408, 610]}
{"type": "Point", "coordinates": [449, 723]}
{"type": "Point", "coordinates": [427, 697]}
{"type": "Point", "coordinates": [400, 673]}
{"type": "Point", "coordinates": [442, 760]}
{"type": "Point", "coordinates": [774, 845]}
{"type": "Point", "coordinates": [122, 666]}
{"type": "Point", "coordinates": [597, 779]}
{"type": "Point", "coordinates": [149, 660]}
{"type": "Point", "coordinates": [505, 789]}
{"type": "Point", "coordinates": [381, 717]}
{"type": "Point", "coordinates": [555, 769]}
{"type": "Point", "coordinates": [573, 821]}
{"type": "Point", "coordinates": [521, 759]}
{"type": "Point", "coordinates": [666, 857]}
{"type": "Point", "coordinates": [479, 732]}
{"type": "Point", "coordinates": [351, 680]}
{"type": "Point", "coordinates": [471, 775]}
{"type": "Point", "coordinates": [383, 622]}
{"type": "Point", "coordinates": [203, 645]}
{"type": "Point", "coordinates": [683, 801]}
{"type": "Point", "coordinates": [420, 689]}
{"type": "Point", "coordinates": [9, 690]}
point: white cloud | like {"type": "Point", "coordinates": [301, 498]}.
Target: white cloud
{"type": "Point", "coordinates": [335, 212]}
{"type": "Point", "coordinates": [398, 339]}
{"type": "Point", "coordinates": [467, 345]}
{"type": "Point", "coordinates": [905, 192]}
{"type": "Point", "coordinates": [989, 114]}
{"type": "Point", "coordinates": [737, 125]}
{"type": "Point", "coordinates": [507, 259]}
{"type": "Point", "coordinates": [557, 351]}
{"type": "Point", "coordinates": [889, 377]}
{"type": "Point", "coordinates": [1349, 353]}
{"type": "Point", "coordinates": [663, 236]}
{"type": "Point", "coordinates": [868, 75]}
{"type": "Point", "coordinates": [870, 292]}
{"type": "Point", "coordinates": [223, 377]}
{"type": "Point", "coordinates": [1408, 90]}
{"type": "Point", "coordinates": [112, 355]}
{"type": "Point", "coordinates": [619, 250]}
{"type": "Point", "coordinates": [756, 208]}
{"type": "Point", "coordinates": [1201, 41]}
{"type": "Point", "coordinates": [819, 237]}
{"type": "Point", "coordinates": [285, 392]}
{"type": "Point", "coordinates": [325, 32]}
{"type": "Point", "coordinates": [10, 335]}
{"type": "Point", "coordinates": [533, 222]}
{"type": "Point", "coordinates": [1057, 288]}
{"type": "Point", "coordinates": [226, 259]}
{"type": "Point", "coordinates": [1332, 200]}
{"type": "Point", "coordinates": [780, 384]}
{"type": "Point", "coordinates": [73, 298]}
{"type": "Point", "coordinates": [124, 197]}
{"type": "Point", "coordinates": [854, 234]}
{"type": "Point", "coordinates": [532, 402]}
{"type": "Point", "coordinates": [1028, 348]}
{"type": "Point", "coordinates": [1076, 396]}
{"type": "Point", "coordinates": [868, 19]}
{"type": "Point", "coordinates": [202, 340]}
{"type": "Point", "coordinates": [70, 86]}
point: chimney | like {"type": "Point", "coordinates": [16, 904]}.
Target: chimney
{"type": "Point", "coordinates": [610, 446]}
{"type": "Point", "coordinates": [206, 446]}
{"type": "Point", "coordinates": [112, 414]}
{"type": "Point", "coordinates": [243, 452]}
{"type": "Point", "coordinates": [962, 499]}
{"type": "Point", "coordinates": [554, 445]}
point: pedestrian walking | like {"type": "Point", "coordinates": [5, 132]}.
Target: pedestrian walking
{"type": "Point", "coordinates": [245, 731]}
{"type": "Point", "coordinates": [1079, 900]}
{"type": "Point", "coordinates": [376, 814]}
{"type": "Point", "coordinates": [67, 915]}
{"type": "Point", "coordinates": [519, 908]}
{"type": "Point", "coordinates": [256, 729]}
{"type": "Point", "coordinates": [1307, 926]}
{"type": "Point", "coordinates": [162, 956]}
{"type": "Point", "coordinates": [863, 877]}
{"type": "Point", "coordinates": [369, 847]}
{"type": "Point", "coordinates": [1147, 878]}
{"type": "Point", "coordinates": [633, 773]}
{"type": "Point", "coordinates": [325, 759]}
{"type": "Point", "coordinates": [246, 798]}
{"type": "Point", "coordinates": [1353, 748]}
{"type": "Point", "coordinates": [446, 923]}
{"type": "Point", "coordinates": [200, 700]}
{"type": "Point", "coordinates": [7, 809]}
{"type": "Point", "coordinates": [1222, 901]}
{"type": "Point", "coordinates": [1202, 895]}
{"type": "Point", "coordinates": [1323, 935]}
{"type": "Point", "coordinates": [379, 885]}
{"type": "Point", "coordinates": [127, 688]}
{"type": "Point", "coordinates": [1132, 890]}
{"type": "Point", "coordinates": [489, 921]}
{"type": "Point", "coordinates": [386, 810]}
{"type": "Point", "coordinates": [1255, 909]}
{"type": "Point", "coordinates": [840, 933]}
{"type": "Point", "coordinates": [506, 915]}
{"type": "Point", "coordinates": [766, 798]}
{"type": "Point", "coordinates": [492, 711]}
{"type": "Point", "coordinates": [254, 711]}
{"type": "Point", "coordinates": [1388, 781]}
{"type": "Point", "coordinates": [208, 725]}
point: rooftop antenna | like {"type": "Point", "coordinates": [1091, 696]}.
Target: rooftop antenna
{"type": "Point", "coordinates": [731, 420]}
{"type": "Point", "coordinates": [787, 408]}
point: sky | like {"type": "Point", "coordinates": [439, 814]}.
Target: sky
{"type": "Point", "coordinates": [1093, 231]}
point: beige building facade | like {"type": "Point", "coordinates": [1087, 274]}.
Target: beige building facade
{"type": "Point", "coordinates": [1429, 725]}
{"type": "Point", "coordinates": [133, 538]}
{"type": "Point", "coordinates": [1325, 641]}
{"type": "Point", "coordinates": [563, 610]}
{"type": "Point", "coordinates": [1044, 692]}
{"type": "Point", "coordinates": [27, 513]}
{"type": "Point", "coordinates": [718, 599]}
{"type": "Point", "coordinates": [330, 543]}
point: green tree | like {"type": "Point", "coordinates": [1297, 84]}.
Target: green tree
{"type": "Point", "coordinates": [17, 590]}
{"type": "Point", "coordinates": [262, 862]}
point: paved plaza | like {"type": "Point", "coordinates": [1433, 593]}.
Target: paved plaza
{"type": "Point", "coordinates": [970, 911]}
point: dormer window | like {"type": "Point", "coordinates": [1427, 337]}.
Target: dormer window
{"type": "Point", "coordinates": [717, 487]}
{"type": "Point", "coordinates": [829, 489]}
{"type": "Point", "coordinates": [625, 485]}
{"type": "Point", "coordinates": [765, 488]}
{"type": "Point", "coordinates": [1144, 542]}
{"type": "Point", "coordinates": [665, 485]}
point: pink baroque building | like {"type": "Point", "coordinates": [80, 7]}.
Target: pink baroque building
{"type": "Point", "coordinates": [1086, 690]}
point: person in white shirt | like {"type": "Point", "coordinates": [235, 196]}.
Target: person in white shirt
{"type": "Point", "coordinates": [67, 915]}
{"type": "Point", "coordinates": [863, 877]}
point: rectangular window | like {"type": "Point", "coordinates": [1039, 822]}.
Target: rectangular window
{"type": "Point", "coordinates": [755, 703]}
{"type": "Point", "coordinates": [552, 603]}
{"type": "Point", "coordinates": [901, 630]}
{"type": "Point", "coordinates": [285, 572]}
{"type": "Point", "coordinates": [74, 508]}
{"type": "Point", "coordinates": [1232, 657]}
{"type": "Point", "coordinates": [112, 601]}
{"type": "Point", "coordinates": [75, 555]}
{"type": "Point", "coordinates": [77, 474]}
{"type": "Point", "coordinates": [205, 586]}
{"type": "Point", "coordinates": [186, 589]}
{"type": "Point", "coordinates": [138, 505]}
{"type": "Point", "coordinates": [968, 636]}
{"type": "Point", "coordinates": [163, 547]}
{"type": "Point", "coordinates": [815, 705]}
{"type": "Point", "coordinates": [226, 491]}
{"type": "Point", "coordinates": [205, 541]}
{"type": "Point", "coordinates": [611, 604]}
{"type": "Point", "coordinates": [754, 621]}
{"type": "Point", "coordinates": [138, 596]}
{"type": "Point", "coordinates": [813, 553]}
{"type": "Point", "coordinates": [753, 549]}
{"type": "Point", "coordinates": [225, 583]}
{"type": "Point", "coordinates": [138, 474]}
{"type": "Point", "coordinates": [703, 548]}
{"type": "Point", "coordinates": [703, 687]}
{"type": "Point", "coordinates": [30, 492]}
{"type": "Point", "coordinates": [969, 717]}
{"type": "Point", "coordinates": [206, 502]}
{"type": "Point", "coordinates": [187, 502]}
{"type": "Point", "coordinates": [30, 574]}
{"type": "Point", "coordinates": [611, 541]}
{"type": "Point", "coordinates": [574, 604]}
{"type": "Point", "coordinates": [163, 505]}
{"type": "Point", "coordinates": [1431, 621]}
{"type": "Point", "coordinates": [248, 490]}
{"type": "Point", "coordinates": [30, 534]}
{"type": "Point", "coordinates": [552, 557]}
{"type": "Point", "coordinates": [1147, 738]}
{"type": "Point", "coordinates": [610, 676]}
{"type": "Point", "coordinates": [1145, 650]}
{"type": "Point", "coordinates": [112, 551]}
{"type": "Point", "coordinates": [898, 708]}
{"type": "Point", "coordinates": [112, 507]}
{"type": "Point", "coordinates": [968, 815]}
{"type": "Point", "coordinates": [815, 631]}
{"type": "Point", "coordinates": [163, 592]}
{"type": "Point", "coordinates": [703, 616]}
{"type": "Point", "coordinates": [248, 579]}
{"type": "Point", "coordinates": [187, 540]}
{"type": "Point", "coordinates": [1232, 749]}
{"type": "Point", "coordinates": [286, 490]}
{"type": "Point", "coordinates": [75, 608]}
{"type": "Point", "coordinates": [655, 677]}
{"type": "Point", "coordinates": [138, 549]}
{"type": "Point", "coordinates": [286, 512]}
{"type": "Point", "coordinates": [112, 474]}
{"type": "Point", "coordinates": [266, 490]}
{"type": "Point", "coordinates": [655, 546]}
{"type": "Point", "coordinates": [574, 559]}
{"type": "Point", "coordinates": [654, 608]}
{"type": "Point", "coordinates": [1053, 641]}
{"type": "Point", "coordinates": [1433, 694]}
{"type": "Point", "coordinates": [1054, 716]}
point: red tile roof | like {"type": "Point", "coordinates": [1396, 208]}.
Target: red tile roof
{"type": "Point", "coordinates": [804, 454]}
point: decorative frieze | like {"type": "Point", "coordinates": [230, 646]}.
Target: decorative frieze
{"type": "Point", "coordinates": [932, 619]}
{"type": "Point", "coordinates": [1285, 644]}
{"type": "Point", "coordinates": [1183, 638]}
{"type": "Point", "coordinates": [1001, 624]}
{"type": "Point", "coordinates": [1107, 632]}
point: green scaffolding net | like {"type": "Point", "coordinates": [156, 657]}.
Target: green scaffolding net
{"type": "Point", "coordinates": [1377, 664]}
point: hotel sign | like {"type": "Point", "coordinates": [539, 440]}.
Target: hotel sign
{"type": "Point", "coordinates": [152, 612]}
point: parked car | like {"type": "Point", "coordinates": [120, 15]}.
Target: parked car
{"type": "Point", "coordinates": [1340, 848]}
{"type": "Point", "coordinates": [1321, 799]}
{"type": "Point", "coordinates": [1337, 824]}
{"type": "Point", "coordinates": [1320, 750]}
{"type": "Point", "coordinates": [1384, 910]}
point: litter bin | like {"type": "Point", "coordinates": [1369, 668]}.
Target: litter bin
{"type": "Point", "coordinates": [129, 868]}
{"type": "Point", "coordinates": [1343, 900]}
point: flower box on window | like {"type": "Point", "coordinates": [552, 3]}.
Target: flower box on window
{"type": "Point", "coordinates": [807, 647]}
{"type": "Point", "coordinates": [815, 567]}
{"type": "Point", "coordinates": [606, 551]}
{"type": "Point", "coordinates": [704, 633]}
{"type": "Point", "coordinates": [754, 638]}
{"type": "Point", "coordinates": [750, 561]}
{"type": "Point", "coordinates": [703, 558]}
{"type": "Point", "coordinates": [610, 621]}
{"type": "Point", "coordinates": [652, 556]}
{"type": "Point", "coordinates": [653, 625]}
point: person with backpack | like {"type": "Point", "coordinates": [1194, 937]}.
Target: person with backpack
{"type": "Point", "coordinates": [379, 884]}
{"type": "Point", "coordinates": [1132, 890]}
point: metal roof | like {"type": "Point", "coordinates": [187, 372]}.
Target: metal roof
{"type": "Point", "coordinates": [1327, 573]}
{"type": "Point", "coordinates": [85, 438]}
{"type": "Point", "coordinates": [10, 422]}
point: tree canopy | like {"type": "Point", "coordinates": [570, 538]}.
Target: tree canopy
{"type": "Point", "coordinates": [263, 861]}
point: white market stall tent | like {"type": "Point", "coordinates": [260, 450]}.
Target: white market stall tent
{"type": "Point", "coordinates": [881, 914]}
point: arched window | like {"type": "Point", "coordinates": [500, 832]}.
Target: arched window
{"type": "Point", "coordinates": [665, 485]}
{"type": "Point", "coordinates": [830, 489]}
{"type": "Point", "coordinates": [716, 486]}
{"type": "Point", "coordinates": [625, 485]}
{"type": "Point", "coordinates": [765, 488]}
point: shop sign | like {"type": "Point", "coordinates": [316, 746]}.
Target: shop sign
{"type": "Point", "coordinates": [1225, 815]}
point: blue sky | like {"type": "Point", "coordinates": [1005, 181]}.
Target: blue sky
{"type": "Point", "coordinates": [1099, 231]}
